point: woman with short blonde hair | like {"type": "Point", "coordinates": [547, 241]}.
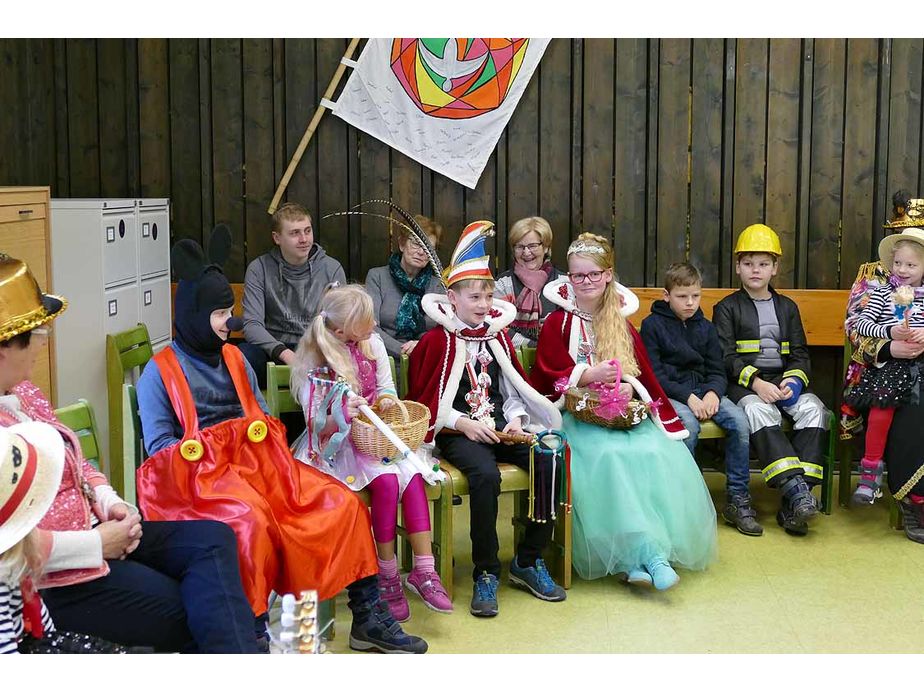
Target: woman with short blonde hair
{"type": "Point", "coordinates": [530, 241]}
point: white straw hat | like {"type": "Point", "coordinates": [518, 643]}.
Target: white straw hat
{"type": "Point", "coordinates": [887, 244]}
{"type": "Point", "coordinates": [31, 464]}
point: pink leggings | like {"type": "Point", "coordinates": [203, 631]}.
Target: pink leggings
{"type": "Point", "coordinates": [384, 494]}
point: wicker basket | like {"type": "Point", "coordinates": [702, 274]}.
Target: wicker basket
{"type": "Point", "coordinates": [581, 402]}
{"type": "Point", "coordinates": [409, 420]}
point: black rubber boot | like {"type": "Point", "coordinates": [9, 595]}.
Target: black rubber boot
{"type": "Point", "coordinates": [738, 512]}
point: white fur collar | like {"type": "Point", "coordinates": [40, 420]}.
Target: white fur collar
{"type": "Point", "coordinates": [440, 310]}
{"type": "Point", "coordinates": [561, 293]}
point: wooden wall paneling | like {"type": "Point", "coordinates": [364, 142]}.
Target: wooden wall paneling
{"type": "Point", "coordinates": [651, 173]}
{"type": "Point", "coordinates": [448, 209]}
{"type": "Point", "coordinates": [497, 245]}
{"type": "Point", "coordinates": [406, 184]}
{"type": "Point", "coordinates": [185, 141]}
{"type": "Point", "coordinates": [827, 163]}
{"type": "Point", "coordinates": [259, 119]}
{"type": "Point", "coordinates": [554, 203]}
{"type": "Point", "coordinates": [706, 159]}
{"type": "Point", "coordinates": [750, 134]}
{"type": "Point", "coordinates": [859, 157]}
{"type": "Point", "coordinates": [805, 159]}
{"type": "Point", "coordinates": [132, 119]}
{"type": "Point", "coordinates": [154, 117]}
{"type": "Point", "coordinates": [113, 167]}
{"type": "Point", "coordinates": [727, 275]}
{"type": "Point", "coordinates": [83, 118]}
{"type": "Point", "coordinates": [673, 191]}
{"type": "Point", "coordinates": [374, 183]}
{"type": "Point", "coordinates": [62, 184]}
{"type": "Point", "coordinates": [279, 110]}
{"type": "Point", "coordinates": [38, 99]}
{"type": "Point", "coordinates": [522, 152]}
{"type": "Point", "coordinates": [228, 148]}
{"type": "Point", "coordinates": [12, 121]}
{"type": "Point", "coordinates": [577, 138]}
{"type": "Point", "coordinates": [630, 116]}
{"type": "Point", "coordinates": [598, 128]}
{"type": "Point", "coordinates": [785, 74]}
{"type": "Point", "coordinates": [882, 201]}
{"type": "Point", "coordinates": [205, 135]}
{"type": "Point", "coordinates": [301, 94]}
{"type": "Point", "coordinates": [333, 162]}
{"type": "Point", "coordinates": [905, 116]}
{"type": "Point", "coordinates": [480, 203]}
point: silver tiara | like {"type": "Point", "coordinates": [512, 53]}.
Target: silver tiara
{"type": "Point", "coordinates": [582, 247]}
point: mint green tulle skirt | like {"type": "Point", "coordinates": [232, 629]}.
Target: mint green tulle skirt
{"type": "Point", "coordinates": [637, 495]}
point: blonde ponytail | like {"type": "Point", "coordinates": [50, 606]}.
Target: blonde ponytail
{"type": "Point", "coordinates": [342, 307]}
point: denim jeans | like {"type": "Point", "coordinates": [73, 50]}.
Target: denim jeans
{"type": "Point", "coordinates": [179, 591]}
{"type": "Point", "coordinates": [731, 419]}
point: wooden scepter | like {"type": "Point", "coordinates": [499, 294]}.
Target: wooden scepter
{"type": "Point", "coordinates": [312, 126]}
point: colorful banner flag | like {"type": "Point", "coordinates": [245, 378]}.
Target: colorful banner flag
{"type": "Point", "coordinates": [442, 102]}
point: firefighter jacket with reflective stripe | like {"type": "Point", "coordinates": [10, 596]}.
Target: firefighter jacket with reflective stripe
{"type": "Point", "coordinates": [735, 319]}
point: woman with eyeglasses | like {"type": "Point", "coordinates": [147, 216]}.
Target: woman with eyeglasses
{"type": "Point", "coordinates": [396, 290]}
{"type": "Point", "coordinates": [640, 502]}
{"type": "Point", "coordinates": [530, 240]}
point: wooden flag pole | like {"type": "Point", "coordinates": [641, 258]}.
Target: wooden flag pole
{"type": "Point", "coordinates": [312, 126]}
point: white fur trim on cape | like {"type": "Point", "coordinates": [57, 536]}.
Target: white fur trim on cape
{"type": "Point", "coordinates": [440, 310]}
{"type": "Point", "coordinates": [542, 413]}
{"type": "Point", "coordinates": [551, 292]}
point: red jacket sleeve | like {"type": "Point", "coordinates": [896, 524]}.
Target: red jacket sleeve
{"type": "Point", "coordinates": [425, 365]}
{"type": "Point", "coordinates": [552, 358]}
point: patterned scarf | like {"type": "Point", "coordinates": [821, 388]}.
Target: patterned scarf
{"type": "Point", "coordinates": [529, 300]}
{"type": "Point", "coordinates": [409, 323]}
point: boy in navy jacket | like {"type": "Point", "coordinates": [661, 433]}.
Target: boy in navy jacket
{"type": "Point", "coordinates": [686, 357]}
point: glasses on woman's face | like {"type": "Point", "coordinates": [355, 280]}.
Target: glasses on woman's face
{"type": "Point", "coordinates": [579, 277]}
{"type": "Point", "coordinates": [531, 247]}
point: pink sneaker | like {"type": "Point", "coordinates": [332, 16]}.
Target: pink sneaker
{"type": "Point", "coordinates": [428, 587]}
{"type": "Point", "coordinates": [392, 594]}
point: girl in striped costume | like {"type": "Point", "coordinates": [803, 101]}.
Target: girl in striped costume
{"type": "Point", "coordinates": [895, 311]}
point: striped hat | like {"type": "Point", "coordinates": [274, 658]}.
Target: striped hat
{"type": "Point", "coordinates": [469, 259]}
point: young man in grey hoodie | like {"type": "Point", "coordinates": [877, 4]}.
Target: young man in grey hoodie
{"type": "Point", "coordinates": [282, 289]}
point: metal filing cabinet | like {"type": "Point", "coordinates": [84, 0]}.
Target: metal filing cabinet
{"type": "Point", "coordinates": [111, 260]}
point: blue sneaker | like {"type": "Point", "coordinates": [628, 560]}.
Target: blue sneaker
{"type": "Point", "coordinates": [662, 575]}
{"type": "Point", "coordinates": [536, 580]}
{"type": "Point", "coordinates": [382, 633]}
{"type": "Point", "coordinates": [484, 595]}
{"type": "Point", "coordinates": [638, 576]}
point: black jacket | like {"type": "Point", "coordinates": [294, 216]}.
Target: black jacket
{"type": "Point", "coordinates": [735, 318]}
{"type": "Point", "coordinates": [686, 355]}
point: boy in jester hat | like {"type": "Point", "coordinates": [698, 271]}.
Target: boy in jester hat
{"type": "Point", "coordinates": [767, 363]}
{"type": "Point", "coordinates": [466, 371]}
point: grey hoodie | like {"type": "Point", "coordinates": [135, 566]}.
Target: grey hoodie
{"type": "Point", "coordinates": [281, 299]}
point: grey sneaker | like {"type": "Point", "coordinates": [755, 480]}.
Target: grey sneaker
{"type": "Point", "coordinates": [738, 512]}
{"type": "Point", "coordinates": [381, 632]}
{"type": "Point", "coordinates": [536, 580]}
{"type": "Point", "coordinates": [484, 596]}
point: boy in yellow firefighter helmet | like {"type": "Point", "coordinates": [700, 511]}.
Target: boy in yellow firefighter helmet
{"type": "Point", "coordinates": [767, 361]}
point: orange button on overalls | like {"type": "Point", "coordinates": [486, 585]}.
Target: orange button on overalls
{"type": "Point", "coordinates": [296, 527]}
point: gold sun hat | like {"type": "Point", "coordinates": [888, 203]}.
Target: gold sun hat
{"type": "Point", "coordinates": [23, 306]}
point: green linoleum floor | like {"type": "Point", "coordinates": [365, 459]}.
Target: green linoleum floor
{"type": "Point", "coordinates": [852, 585]}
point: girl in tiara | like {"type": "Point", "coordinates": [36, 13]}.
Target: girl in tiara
{"type": "Point", "coordinates": [640, 502]}
{"type": "Point", "coordinates": [342, 339]}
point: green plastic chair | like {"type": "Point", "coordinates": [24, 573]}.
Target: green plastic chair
{"type": "Point", "coordinates": [80, 419]}
{"type": "Point", "coordinates": [127, 353]}
{"type": "Point", "coordinates": [516, 481]}
{"type": "Point", "coordinates": [279, 400]}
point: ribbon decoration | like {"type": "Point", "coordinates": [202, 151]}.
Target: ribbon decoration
{"type": "Point", "coordinates": [538, 510]}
